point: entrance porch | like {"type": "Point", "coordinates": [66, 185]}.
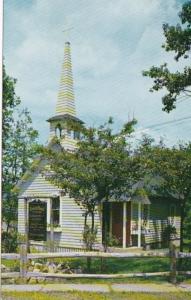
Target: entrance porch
{"type": "Point", "coordinates": [118, 223]}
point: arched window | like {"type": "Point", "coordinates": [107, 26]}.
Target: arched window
{"type": "Point", "coordinates": [58, 131]}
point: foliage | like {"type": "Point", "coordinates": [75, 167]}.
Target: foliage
{"type": "Point", "coordinates": [19, 146]}
{"type": "Point", "coordinates": [112, 241]}
{"type": "Point", "coordinates": [168, 234]}
{"type": "Point", "coordinates": [169, 173]}
{"type": "Point", "coordinates": [101, 167]}
{"type": "Point", "coordinates": [13, 265]}
{"type": "Point", "coordinates": [89, 237]}
{"type": "Point", "coordinates": [10, 102]}
{"type": "Point", "coordinates": [178, 39]}
{"type": "Point", "coordinates": [9, 242]}
{"type": "Point", "coordinates": [187, 223]}
{"type": "Point", "coordinates": [21, 238]}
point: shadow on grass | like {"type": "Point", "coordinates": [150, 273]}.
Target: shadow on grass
{"type": "Point", "coordinates": [124, 265]}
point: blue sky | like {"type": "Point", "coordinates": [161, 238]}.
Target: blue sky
{"type": "Point", "coordinates": [112, 41]}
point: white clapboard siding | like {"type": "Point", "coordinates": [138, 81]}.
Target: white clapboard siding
{"type": "Point", "coordinates": [73, 224]}
{"type": "Point", "coordinates": [69, 143]}
{"type": "Point", "coordinates": [37, 186]}
{"type": "Point", "coordinates": [158, 219]}
{"type": "Point", "coordinates": [71, 219]}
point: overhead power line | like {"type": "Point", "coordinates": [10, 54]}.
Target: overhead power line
{"type": "Point", "coordinates": [167, 122]}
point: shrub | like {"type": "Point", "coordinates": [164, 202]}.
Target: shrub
{"type": "Point", "coordinates": [9, 242]}
{"type": "Point", "coordinates": [168, 234]}
{"type": "Point", "coordinates": [112, 241]}
{"type": "Point", "coordinates": [89, 237]}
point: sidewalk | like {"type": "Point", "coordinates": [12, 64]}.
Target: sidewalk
{"type": "Point", "coordinates": [102, 288]}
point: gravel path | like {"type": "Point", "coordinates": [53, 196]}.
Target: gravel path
{"type": "Point", "coordinates": [102, 288]}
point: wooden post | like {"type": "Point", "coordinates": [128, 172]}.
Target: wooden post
{"type": "Point", "coordinates": [26, 224]}
{"type": "Point", "coordinates": [124, 223]}
{"type": "Point", "coordinates": [51, 228]}
{"type": "Point", "coordinates": [139, 225]}
{"type": "Point", "coordinates": [173, 267]}
{"type": "Point", "coordinates": [23, 261]}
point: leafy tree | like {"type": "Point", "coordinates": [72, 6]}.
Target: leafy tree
{"type": "Point", "coordinates": [176, 85]}
{"type": "Point", "coordinates": [101, 167]}
{"type": "Point", "coordinates": [19, 146]}
{"type": "Point", "coordinates": [169, 171]}
{"type": "Point", "coordinates": [10, 102]}
{"type": "Point", "coordinates": [187, 223]}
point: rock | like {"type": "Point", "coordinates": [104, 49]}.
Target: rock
{"type": "Point", "coordinates": [30, 268]}
{"type": "Point", "coordinates": [36, 270]}
{"type": "Point", "coordinates": [78, 271]}
{"type": "Point", "coordinates": [52, 268]}
{"type": "Point", "coordinates": [60, 266]}
{"type": "Point", "coordinates": [45, 269]}
{"type": "Point", "coordinates": [38, 266]}
{"type": "Point", "coordinates": [64, 269]}
{"type": "Point", "coordinates": [67, 271]}
{"type": "Point", "coordinates": [4, 269]}
{"type": "Point", "coordinates": [12, 281]}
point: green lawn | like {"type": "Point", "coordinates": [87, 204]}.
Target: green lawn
{"type": "Point", "coordinates": [114, 266]}
{"type": "Point", "coordinates": [123, 265]}
{"type": "Point", "coordinates": [95, 296]}
{"type": "Point", "coordinates": [111, 265]}
{"type": "Point", "coordinates": [119, 265]}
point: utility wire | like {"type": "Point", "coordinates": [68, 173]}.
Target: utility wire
{"type": "Point", "coordinates": [167, 122]}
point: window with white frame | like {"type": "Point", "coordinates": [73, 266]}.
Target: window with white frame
{"type": "Point", "coordinates": [56, 211]}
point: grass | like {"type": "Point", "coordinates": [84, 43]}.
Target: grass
{"type": "Point", "coordinates": [118, 265]}
{"type": "Point", "coordinates": [111, 265]}
{"type": "Point", "coordinates": [13, 264]}
{"type": "Point", "coordinates": [95, 296]}
{"type": "Point", "coordinates": [159, 280]}
{"type": "Point", "coordinates": [124, 265]}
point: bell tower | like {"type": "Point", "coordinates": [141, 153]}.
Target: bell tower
{"type": "Point", "coordinates": [65, 107]}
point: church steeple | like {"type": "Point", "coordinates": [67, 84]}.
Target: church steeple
{"type": "Point", "coordinates": [66, 103]}
{"type": "Point", "coordinates": [65, 107]}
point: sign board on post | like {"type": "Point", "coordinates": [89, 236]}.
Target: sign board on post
{"type": "Point", "coordinates": [37, 220]}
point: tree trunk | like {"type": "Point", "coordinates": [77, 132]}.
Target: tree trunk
{"type": "Point", "coordinates": [105, 228]}
{"type": "Point", "coordinates": [182, 215]}
{"type": "Point", "coordinates": [93, 222]}
{"type": "Point", "coordinates": [89, 259]}
{"type": "Point", "coordinates": [8, 225]}
{"type": "Point", "coordinates": [85, 219]}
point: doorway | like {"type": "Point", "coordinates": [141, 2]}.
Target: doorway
{"type": "Point", "coordinates": [113, 222]}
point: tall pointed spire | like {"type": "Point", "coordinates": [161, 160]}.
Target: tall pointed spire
{"type": "Point", "coordinates": [65, 107]}
{"type": "Point", "coordinates": [66, 102]}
